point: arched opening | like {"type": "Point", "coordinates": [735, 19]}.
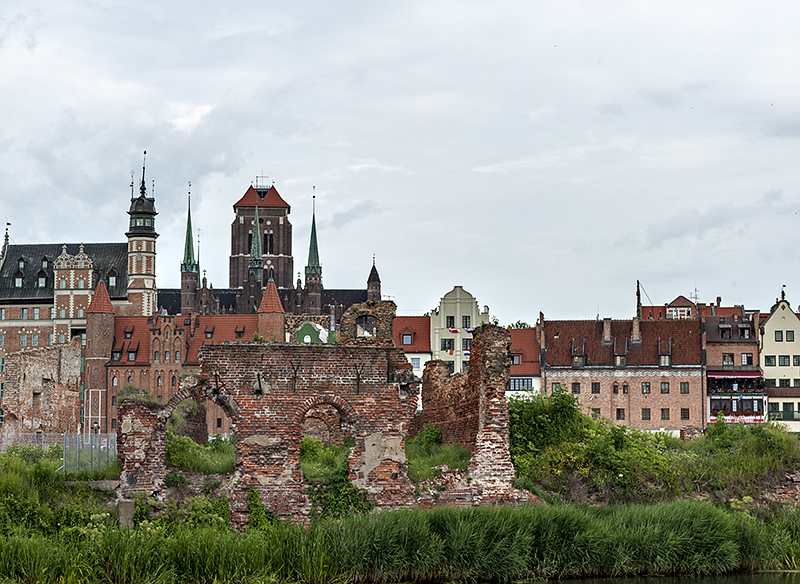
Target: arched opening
{"type": "Point", "coordinates": [366, 326]}
{"type": "Point", "coordinates": [327, 439]}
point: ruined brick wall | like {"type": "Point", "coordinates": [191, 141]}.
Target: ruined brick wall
{"type": "Point", "coordinates": [295, 321]}
{"type": "Point", "coordinates": [324, 423]}
{"type": "Point", "coordinates": [42, 390]}
{"type": "Point", "coordinates": [140, 446]}
{"type": "Point", "coordinates": [383, 312]}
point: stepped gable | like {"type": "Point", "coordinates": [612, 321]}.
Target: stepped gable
{"type": "Point", "coordinates": [270, 301]}
{"type": "Point", "coordinates": [101, 303]}
{"type": "Point", "coordinates": [559, 336]}
{"type": "Point", "coordinates": [271, 199]}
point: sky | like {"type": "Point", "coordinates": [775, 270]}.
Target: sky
{"type": "Point", "coordinates": [543, 155]}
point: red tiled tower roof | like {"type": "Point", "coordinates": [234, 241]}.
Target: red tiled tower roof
{"type": "Point", "coordinates": [270, 301]}
{"type": "Point", "coordinates": [271, 199]}
{"type": "Point", "coordinates": [101, 303]}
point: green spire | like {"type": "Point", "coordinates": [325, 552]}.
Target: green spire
{"type": "Point", "coordinates": [313, 266]}
{"type": "Point", "coordinates": [189, 264]}
{"type": "Point", "coordinates": [256, 260]}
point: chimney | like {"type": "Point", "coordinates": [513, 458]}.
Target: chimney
{"type": "Point", "coordinates": [719, 300]}
{"type": "Point", "coordinates": [606, 330]}
{"type": "Point", "coordinates": [635, 335]}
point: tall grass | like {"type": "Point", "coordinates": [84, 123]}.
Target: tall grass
{"type": "Point", "coordinates": [425, 452]}
{"type": "Point", "coordinates": [217, 456]}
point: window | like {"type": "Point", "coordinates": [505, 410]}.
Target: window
{"type": "Point", "coordinates": [24, 314]}
{"type": "Point", "coordinates": [576, 387]}
{"type": "Point", "coordinates": [210, 334]}
{"type": "Point", "coordinates": [62, 284]}
{"type": "Point", "coordinates": [219, 422]}
{"type": "Point", "coordinates": [515, 359]}
{"type": "Point", "coordinates": [42, 281]}
{"type": "Point", "coordinates": [619, 360]}
{"type": "Point", "coordinates": [615, 388]}
{"type": "Point", "coordinates": [23, 340]}
{"type": "Point", "coordinates": [645, 387]}
{"type": "Point", "coordinates": [684, 413]}
{"type": "Point", "coordinates": [645, 413]}
{"type": "Point", "coordinates": [2, 313]}
{"type": "Point", "coordinates": [665, 413]}
{"type": "Point", "coordinates": [577, 361]}
{"type": "Point", "coordinates": [21, 264]}
{"type": "Point", "coordinates": [18, 282]}
{"type": "Point", "coordinates": [747, 358]}
{"type": "Point", "coordinates": [130, 380]}
{"type": "Point", "coordinates": [166, 356]}
{"type": "Point", "coordinates": [112, 281]}
{"type": "Point", "coordinates": [596, 413]}
{"type": "Point", "coordinates": [61, 339]}
{"type": "Point", "coordinates": [35, 340]}
{"type": "Point", "coordinates": [466, 344]}
{"type": "Point", "coordinates": [174, 381]}
{"type": "Point", "coordinates": [2, 340]}
{"type": "Point", "coordinates": [783, 383]}
{"type": "Point", "coordinates": [769, 360]}
{"type": "Point", "coordinates": [451, 321]}
{"type": "Point", "coordinates": [131, 355]}
{"type": "Point", "coordinates": [448, 344]}
{"type": "Point", "coordinates": [62, 313]}
{"type": "Point", "coordinates": [684, 387]}
{"type": "Point", "coordinates": [451, 366]}
{"type": "Point", "coordinates": [520, 383]}
{"type": "Point", "coordinates": [35, 314]}
{"type": "Point", "coordinates": [239, 334]}
{"type": "Point", "coordinates": [595, 387]}
{"type": "Point", "coordinates": [624, 388]}
{"type": "Point", "coordinates": [620, 413]}
{"type": "Point", "coordinates": [160, 383]}
{"type": "Point", "coordinates": [664, 360]}
{"type": "Point", "coordinates": [406, 339]}
{"type": "Point", "coordinates": [115, 356]}
{"type": "Point", "coordinates": [44, 263]}
{"type": "Point", "coordinates": [465, 321]}
{"type": "Point", "coordinates": [128, 333]}
{"type": "Point", "coordinates": [156, 356]}
{"type": "Point", "coordinates": [744, 333]}
{"type": "Point", "coordinates": [783, 360]}
{"type": "Point", "coordinates": [727, 359]}
{"type": "Point", "coordinates": [769, 383]}
{"type": "Point", "coordinates": [665, 387]}
{"type": "Point", "coordinates": [83, 364]}
{"type": "Point", "coordinates": [2, 364]}
{"type": "Point", "coordinates": [725, 333]}
{"type": "Point", "coordinates": [778, 336]}
{"type": "Point", "coordinates": [113, 423]}
{"type": "Point", "coordinates": [796, 360]}
{"type": "Point", "coordinates": [464, 366]}
{"type": "Point", "coordinates": [789, 336]}
{"type": "Point", "coordinates": [415, 362]}
{"type": "Point", "coordinates": [80, 313]}
{"type": "Point", "coordinates": [177, 356]}
{"type": "Point", "coordinates": [114, 383]}
{"type": "Point", "coordinates": [81, 284]}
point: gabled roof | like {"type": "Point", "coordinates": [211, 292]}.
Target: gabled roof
{"type": "Point", "coordinates": [419, 327]}
{"type": "Point", "coordinates": [681, 301]}
{"type": "Point", "coordinates": [655, 336]}
{"type": "Point", "coordinates": [271, 199]}
{"type": "Point", "coordinates": [101, 303]}
{"type": "Point", "coordinates": [139, 328]}
{"type": "Point", "coordinates": [525, 343]}
{"type": "Point", "coordinates": [270, 301]}
{"type": "Point", "coordinates": [223, 328]}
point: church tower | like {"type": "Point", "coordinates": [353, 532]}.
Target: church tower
{"type": "Point", "coordinates": [374, 284]}
{"type": "Point", "coordinates": [313, 271]}
{"type": "Point", "coordinates": [142, 252]}
{"type": "Point", "coordinates": [99, 344]}
{"type": "Point", "coordinates": [190, 269]}
{"type": "Point", "coordinates": [273, 231]}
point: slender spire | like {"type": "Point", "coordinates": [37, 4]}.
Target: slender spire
{"type": "Point", "coordinates": [143, 187]}
{"type": "Point", "coordinates": [189, 264]}
{"type": "Point", "coordinates": [313, 266]}
{"type": "Point", "coordinates": [256, 259]}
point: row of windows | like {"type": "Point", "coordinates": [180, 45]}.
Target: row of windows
{"type": "Point", "coordinates": [37, 313]}
{"type": "Point", "coordinates": [520, 383]}
{"type": "Point", "coordinates": [779, 336]}
{"type": "Point", "coordinates": [450, 344]}
{"type": "Point", "coordinates": [728, 359]}
{"type": "Point", "coordinates": [782, 360]}
{"type": "Point", "coordinates": [450, 321]}
{"type": "Point", "coordinates": [646, 414]}
{"type": "Point", "coordinates": [34, 339]}
{"type": "Point", "coordinates": [595, 387]}
{"type": "Point", "coordinates": [620, 361]}
{"type": "Point", "coordinates": [117, 356]}
{"type": "Point", "coordinates": [782, 382]}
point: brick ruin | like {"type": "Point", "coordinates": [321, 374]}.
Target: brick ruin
{"type": "Point", "coordinates": [42, 390]}
{"type": "Point", "coordinates": [362, 387]}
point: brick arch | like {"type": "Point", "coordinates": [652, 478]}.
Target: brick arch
{"type": "Point", "coordinates": [346, 411]}
{"type": "Point", "coordinates": [198, 394]}
{"type": "Point", "coordinates": [382, 311]}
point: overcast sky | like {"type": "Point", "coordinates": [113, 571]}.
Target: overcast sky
{"type": "Point", "coordinates": [543, 155]}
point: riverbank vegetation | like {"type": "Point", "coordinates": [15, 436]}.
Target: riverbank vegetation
{"type": "Point", "coordinates": [563, 454]}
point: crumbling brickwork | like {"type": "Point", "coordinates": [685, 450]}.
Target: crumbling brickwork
{"type": "Point", "coordinates": [42, 390]}
{"type": "Point", "coordinates": [324, 423]}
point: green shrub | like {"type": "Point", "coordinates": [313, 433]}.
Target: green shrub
{"type": "Point", "coordinates": [175, 479]}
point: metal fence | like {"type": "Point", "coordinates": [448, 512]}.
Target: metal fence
{"type": "Point", "coordinates": [74, 452]}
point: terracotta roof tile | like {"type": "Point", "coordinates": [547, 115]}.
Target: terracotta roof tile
{"type": "Point", "coordinates": [525, 343]}
{"type": "Point", "coordinates": [271, 199]}
{"type": "Point", "coordinates": [131, 333]}
{"type": "Point", "coordinates": [270, 301]}
{"type": "Point", "coordinates": [219, 329]}
{"type": "Point", "coordinates": [419, 327]}
{"type": "Point", "coordinates": [101, 303]}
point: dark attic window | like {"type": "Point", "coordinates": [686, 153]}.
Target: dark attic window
{"type": "Point", "coordinates": [240, 332]}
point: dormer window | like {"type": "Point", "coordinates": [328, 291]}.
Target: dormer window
{"type": "Point", "coordinates": [18, 281]}
{"type": "Point", "coordinates": [112, 281]}
{"type": "Point", "coordinates": [129, 332]}
{"type": "Point", "coordinates": [44, 263]}
{"type": "Point", "coordinates": [239, 332]}
{"type": "Point", "coordinates": [664, 360]}
{"type": "Point", "coordinates": [209, 332]}
{"type": "Point", "coordinates": [21, 264]}
{"type": "Point", "coordinates": [407, 339]}
{"type": "Point", "coordinates": [619, 360]}
{"type": "Point", "coordinates": [116, 356]}
{"type": "Point", "coordinates": [131, 355]}
{"type": "Point", "coordinates": [578, 361]}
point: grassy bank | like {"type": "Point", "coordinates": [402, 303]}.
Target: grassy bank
{"type": "Point", "coordinates": [442, 545]}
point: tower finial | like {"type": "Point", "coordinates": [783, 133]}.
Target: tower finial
{"type": "Point", "coordinates": [189, 263]}
{"type": "Point", "coordinates": [143, 187]}
{"type": "Point", "coordinates": [313, 266]}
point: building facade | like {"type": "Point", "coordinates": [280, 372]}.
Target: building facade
{"type": "Point", "coordinates": [451, 328]}
{"type": "Point", "coordinates": [780, 362]}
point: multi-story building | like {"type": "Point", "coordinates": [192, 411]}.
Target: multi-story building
{"type": "Point", "coordinates": [780, 362]}
{"type": "Point", "coordinates": [525, 368]}
{"type": "Point", "coordinates": [413, 335]}
{"type": "Point", "coordinates": [646, 374]}
{"type": "Point", "coordinates": [451, 327]}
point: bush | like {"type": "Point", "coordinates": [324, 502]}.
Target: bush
{"type": "Point", "coordinates": [175, 479]}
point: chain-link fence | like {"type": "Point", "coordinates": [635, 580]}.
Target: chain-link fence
{"type": "Point", "coordinates": [74, 452]}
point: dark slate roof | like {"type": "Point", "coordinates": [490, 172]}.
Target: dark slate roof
{"type": "Point", "coordinates": [587, 335]}
{"type": "Point", "coordinates": [170, 298]}
{"type": "Point", "coordinates": [344, 297]}
{"type": "Point", "coordinates": [104, 257]}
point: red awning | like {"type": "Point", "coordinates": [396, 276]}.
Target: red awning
{"type": "Point", "coordinates": [733, 374]}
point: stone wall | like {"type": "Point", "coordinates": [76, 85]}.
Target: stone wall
{"type": "Point", "coordinates": [42, 390]}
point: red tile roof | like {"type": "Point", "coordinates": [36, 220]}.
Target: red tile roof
{"type": "Point", "coordinates": [270, 301]}
{"type": "Point", "coordinates": [139, 342]}
{"type": "Point", "coordinates": [586, 337]}
{"type": "Point", "coordinates": [419, 327]}
{"type": "Point", "coordinates": [271, 199]}
{"type": "Point", "coordinates": [525, 343]}
{"type": "Point", "coordinates": [222, 328]}
{"type": "Point", "coordinates": [101, 303]}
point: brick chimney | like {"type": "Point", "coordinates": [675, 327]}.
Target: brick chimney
{"type": "Point", "coordinates": [606, 330]}
{"type": "Point", "coordinates": [635, 334]}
